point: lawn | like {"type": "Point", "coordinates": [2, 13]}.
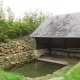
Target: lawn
{"type": "Point", "coordinates": [62, 71]}
{"type": "Point", "coordinates": [74, 73]}
{"type": "Point", "coordinates": [70, 72]}
{"type": "Point", "coordinates": [9, 76]}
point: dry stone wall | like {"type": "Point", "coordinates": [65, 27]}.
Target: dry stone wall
{"type": "Point", "coordinates": [15, 53]}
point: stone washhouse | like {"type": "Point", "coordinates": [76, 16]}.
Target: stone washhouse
{"type": "Point", "coordinates": [58, 34]}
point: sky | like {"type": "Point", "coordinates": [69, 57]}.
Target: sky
{"type": "Point", "coordinates": [19, 7]}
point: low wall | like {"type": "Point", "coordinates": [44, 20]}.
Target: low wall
{"type": "Point", "coordinates": [63, 52]}
{"type": "Point", "coordinates": [66, 52]}
{"type": "Point", "coordinates": [41, 52]}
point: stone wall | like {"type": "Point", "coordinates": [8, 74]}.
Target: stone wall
{"type": "Point", "coordinates": [15, 53]}
{"type": "Point", "coordinates": [40, 52]}
{"type": "Point", "coordinates": [67, 52]}
{"type": "Point", "coordinates": [72, 52]}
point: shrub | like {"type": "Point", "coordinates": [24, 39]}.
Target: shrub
{"type": "Point", "coordinates": [4, 38]}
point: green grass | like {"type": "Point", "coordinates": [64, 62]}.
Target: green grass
{"type": "Point", "coordinates": [71, 72]}
{"type": "Point", "coordinates": [9, 76]}
{"type": "Point", "coordinates": [62, 72]}
{"type": "Point", "coordinates": [74, 73]}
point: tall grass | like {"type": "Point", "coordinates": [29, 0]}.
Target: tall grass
{"type": "Point", "coordinates": [9, 76]}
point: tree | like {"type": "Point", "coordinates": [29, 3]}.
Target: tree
{"type": "Point", "coordinates": [10, 15]}
{"type": "Point", "coordinates": [2, 15]}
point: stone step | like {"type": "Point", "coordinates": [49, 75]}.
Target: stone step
{"type": "Point", "coordinates": [53, 61]}
{"type": "Point", "coordinates": [59, 78]}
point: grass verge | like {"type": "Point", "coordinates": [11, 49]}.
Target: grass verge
{"type": "Point", "coordinates": [9, 76]}
{"type": "Point", "coordinates": [74, 73]}
{"type": "Point", "coordinates": [62, 71]}
{"type": "Point", "coordinates": [71, 72]}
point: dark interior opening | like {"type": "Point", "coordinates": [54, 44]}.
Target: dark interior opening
{"type": "Point", "coordinates": [64, 43]}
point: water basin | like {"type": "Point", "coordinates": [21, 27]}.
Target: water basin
{"type": "Point", "coordinates": [36, 69]}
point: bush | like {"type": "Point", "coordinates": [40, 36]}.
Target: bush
{"type": "Point", "coordinates": [11, 33]}
{"type": "Point", "coordinates": [11, 28]}
{"type": "Point", "coordinates": [4, 38]}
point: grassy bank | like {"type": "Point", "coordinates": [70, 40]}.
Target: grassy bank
{"type": "Point", "coordinates": [62, 71]}
{"type": "Point", "coordinates": [71, 72]}
{"type": "Point", "coordinates": [74, 73]}
{"type": "Point", "coordinates": [9, 76]}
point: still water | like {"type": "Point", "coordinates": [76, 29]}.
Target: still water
{"type": "Point", "coordinates": [36, 69]}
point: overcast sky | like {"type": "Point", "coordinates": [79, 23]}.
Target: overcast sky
{"type": "Point", "coordinates": [51, 6]}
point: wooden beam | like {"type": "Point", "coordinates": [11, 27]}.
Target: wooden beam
{"type": "Point", "coordinates": [65, 43]}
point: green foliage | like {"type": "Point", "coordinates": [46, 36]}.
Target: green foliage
{"type": "Point", "coordinates": [10, 16]}
{"type": "Point", "coordinates": [11, 28]}
{"type": "Point", "coordinates": [9, 76]}
{"type": "Point", "coordinates": [4, 38]}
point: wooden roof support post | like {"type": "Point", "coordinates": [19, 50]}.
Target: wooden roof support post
{"type": "Point", "coordinates": [50, 46]}
{"type": "Point", "coordinates": [65, 42]}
